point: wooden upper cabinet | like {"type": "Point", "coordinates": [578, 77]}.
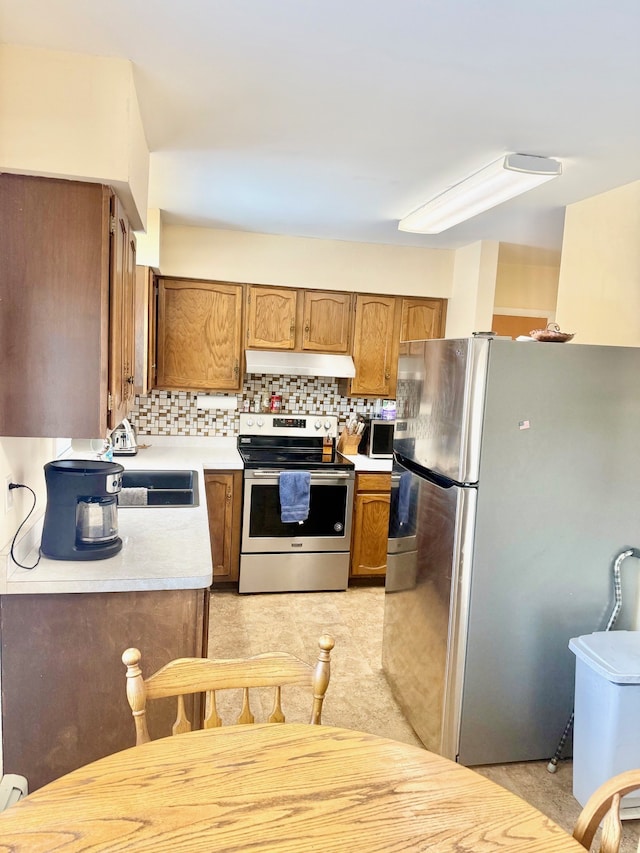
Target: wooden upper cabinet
{"type": "Point", "coordinates": [375, 346]}
{"type": "Point", "coordinates": [146, 313]}
{"type": "Point", "coordinates": [199, 335]}
{"type": "Point", "coordinates": [271, 317]}
{"type": "Point", "coordinates": [64, 321]}
{"type": "Point", "coordinates": [422, 319]}
{"type": "Point", "coordinates": [326, 321]}
{"type": "Point", "coordinates": [122, 307]}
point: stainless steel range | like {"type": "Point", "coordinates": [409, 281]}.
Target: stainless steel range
{"type": "Point", "coordinates": [277, 556]}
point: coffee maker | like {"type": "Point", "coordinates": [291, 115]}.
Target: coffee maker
{"type": "Point", "coordinates": [81, 518]}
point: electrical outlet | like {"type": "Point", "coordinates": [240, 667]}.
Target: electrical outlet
{"type": "Point", "coordinates": [8, 494]}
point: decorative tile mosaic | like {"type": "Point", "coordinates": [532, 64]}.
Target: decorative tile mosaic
{"type": "Point", "coordinates": [176, 412]}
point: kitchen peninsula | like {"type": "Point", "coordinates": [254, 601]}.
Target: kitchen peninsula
{"type": "Point", "coordinates": [64, 625]}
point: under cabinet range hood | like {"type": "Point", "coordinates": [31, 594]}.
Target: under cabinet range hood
{"type": "Point", "coordinates": [299, 363]}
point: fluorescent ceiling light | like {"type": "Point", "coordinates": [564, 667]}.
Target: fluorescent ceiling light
{"type": "Point", "coordinates": [499, 181]}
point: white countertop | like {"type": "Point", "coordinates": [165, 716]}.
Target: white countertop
{"type": "Point", "coordinates": [163, 547]}
{"type": "Point", "coordinates": [366, 463]}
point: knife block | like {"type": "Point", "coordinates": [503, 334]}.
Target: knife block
{"type": "Point", "coordinates": [348, 444]}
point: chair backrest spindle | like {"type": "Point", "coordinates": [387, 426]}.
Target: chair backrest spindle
{"type": "Point", "coordinates": [185, 676]}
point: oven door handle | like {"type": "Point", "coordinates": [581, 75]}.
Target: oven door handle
{"type": "Point", "coordinates": [321, 475]}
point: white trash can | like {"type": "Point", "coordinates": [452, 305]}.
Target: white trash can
{"type": "Point", "coordinates": [606, 729]}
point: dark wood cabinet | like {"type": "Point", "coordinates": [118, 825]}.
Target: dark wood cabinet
{"type": "Point", "coordinates": [66, 303]}
{"type": "Point", "coordinates": [63, 681]}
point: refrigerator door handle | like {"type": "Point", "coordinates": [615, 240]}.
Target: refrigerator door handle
{"type": "Point", "coordinates": [458, 621]}
{"type": "Point", "coordinates": [427, 473]}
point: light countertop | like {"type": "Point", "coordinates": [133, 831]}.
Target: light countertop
{"type": "Point", "coordinates": [163, 547]}
{"type": "Point", "coordinates": [366, 463]}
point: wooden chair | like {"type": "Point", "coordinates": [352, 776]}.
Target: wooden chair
{"type": "Point", "coordinates": [605, 803]}
{"type": "Point", "coordinates": [185, 676]}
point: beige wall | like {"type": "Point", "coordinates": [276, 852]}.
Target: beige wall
{"type": "Point", "coordinates": [470, 308]}
{"type": "Point", "coordinates": [599, 287]}
{"type": "Point", "coordinates": [527, 280]}
{"type": "Point", "coordinates": [23, 459]}
{"type": "Point", "coordinates": [73, 116]}
{"type": "Point", "coordinates": [149, 242]}
{"type": "Point", "coordinates": [303, 262]}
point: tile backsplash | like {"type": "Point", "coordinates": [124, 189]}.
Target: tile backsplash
{"type": "Point", "coordinates": [176, 412]}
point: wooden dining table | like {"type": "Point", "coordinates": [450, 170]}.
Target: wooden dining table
{"type": "Point", "coordinates": [287, 788]}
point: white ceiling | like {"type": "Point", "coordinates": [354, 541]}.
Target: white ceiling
{"type": "Point", "coordinates": [335, 118]}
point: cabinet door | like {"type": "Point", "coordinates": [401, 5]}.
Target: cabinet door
{"type": "Point", "coordinates": [121, 315]}
{"type": "Point", "coordinates": [271, 317]}
{"type": "Point", "coordinates": [73, 653]}
{"type": "Point", "coordinates": [54, 307]}
{"type": "Point", "coordinates": [375, 346]}
{"type": "Point", "coordinates": [370, 533]}
{"type": "Point", "coordinates": [224, 495]}
{"type": "Point", "coordinates": [199, 335]}
{"type": "Point", "coordinates": [422, 319]}
{"type": "Point", "coordinates": [146, 301]}
{"type": "Point", "coordinates": [326, 321]}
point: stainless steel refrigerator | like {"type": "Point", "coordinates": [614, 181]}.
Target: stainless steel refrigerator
{"type": "Point", "coordinates": [516, 482]}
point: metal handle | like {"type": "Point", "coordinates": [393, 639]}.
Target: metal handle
{"type": "Point", "coordinates": [321, 475]}
{"type": "Point", "coordinates": [395, 478]}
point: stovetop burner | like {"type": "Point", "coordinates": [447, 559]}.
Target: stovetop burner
{"type": "Point", "coordinates": [306, 460]}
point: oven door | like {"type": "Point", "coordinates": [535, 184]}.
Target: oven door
{"type": "Point", "coordinates": [327, 528]}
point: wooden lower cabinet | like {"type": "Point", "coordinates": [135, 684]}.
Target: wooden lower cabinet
{"type": "Point", "coordinates": [224, 506]}
{"type": "Point", "coordinates": [370, 525]}
{"type": "Point", "coordinates": [63, 681]}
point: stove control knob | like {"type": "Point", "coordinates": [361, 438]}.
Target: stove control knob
{"type": "Point", "coordinates": [317, 424]}
{"type": "Point", "coordinates": [249, 422]}
{"type": "Point", "coordinates": [327, 425]}
{"type": "Point", "coordinates": [259, 422]}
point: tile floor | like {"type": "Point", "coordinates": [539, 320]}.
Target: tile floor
{"type": "Point", "coordinates": [358, 696]}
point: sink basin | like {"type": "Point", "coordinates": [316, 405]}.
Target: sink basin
{"type": "Point", "coordinates": [159, 488]}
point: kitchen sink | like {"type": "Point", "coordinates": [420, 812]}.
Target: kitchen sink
{"type": "Point", "coordinates": [159, 488]}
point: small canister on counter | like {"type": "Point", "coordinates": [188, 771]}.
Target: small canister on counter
{"type": "Point", "coordinates": [275, 404]}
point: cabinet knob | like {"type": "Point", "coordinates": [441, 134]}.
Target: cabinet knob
{"type": "Point", "coordinates": [228, 495]}
{"type": "Point", "coordinates": [306, 330]}
{"type": "Point", "coordinates": [387, 374]}
{"type": "Point", "coordinates": [292, 327]}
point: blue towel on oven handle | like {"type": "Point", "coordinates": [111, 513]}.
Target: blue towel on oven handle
{"type": "Point", "coordinates": [295, 492]}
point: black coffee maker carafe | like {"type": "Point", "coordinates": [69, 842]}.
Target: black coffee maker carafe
{"type": "Point", "coordinates": [81, 518]}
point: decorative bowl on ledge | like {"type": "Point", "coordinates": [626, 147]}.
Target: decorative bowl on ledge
{"type": "Point", "coordinates": [551, 334]}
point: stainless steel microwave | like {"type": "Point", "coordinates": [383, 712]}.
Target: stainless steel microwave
{"type": "Point", "coordinates": [377, 439]}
